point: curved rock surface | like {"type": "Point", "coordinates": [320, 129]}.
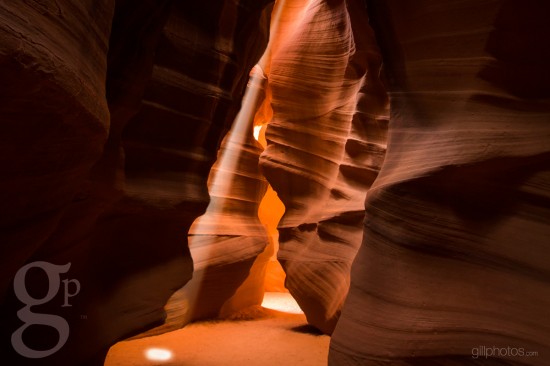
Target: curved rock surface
{"type": "Point", "coordinates": [455, 252]}
{"type": "Point", "coordinates": [112, 114]}
{"type": "Point", "coordinates": [55, 120]}
{"type": "Point", "coordinates": [54, 116]}
{"type": "Point", "coordinates": [326, 142]}
{"type": "Point", "coordinates": [118, 211]}
{"type": "Point", "coordinates": [226, 241]}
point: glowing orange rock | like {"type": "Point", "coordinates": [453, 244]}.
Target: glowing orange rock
{"type": "Point", "coordinates": [326, 142]}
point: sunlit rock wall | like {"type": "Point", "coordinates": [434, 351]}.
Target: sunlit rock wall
{"type": "Point", "coordinates": [110, 175]}
{"type": "Point", "coordinates": [226, 241]}
{"type": "Point", "coordinates": [326, 143]}
{"type": "Point", "coordinates": [456, 249]}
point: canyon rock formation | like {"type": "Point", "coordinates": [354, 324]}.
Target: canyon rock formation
{"type": "Point", "coordinates": [408, 140]}
{"type": "Point", "coordinates": [326, 143]}
{"type": "Point", "coordinates": [226, 241]}
{"type": "Point", "coordinates": [112, 115]}
{"type": "Point", "coordinates": [455, 253]}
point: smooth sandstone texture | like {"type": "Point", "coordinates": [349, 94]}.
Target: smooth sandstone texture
{"type": "Point", "coordinates": [54, 119]}
{"type": "Point", "coordinates": [112, 115]}
{"type": "Point", "coordinates": [326, 143]}
{"type": "Point", "coordinates": [54, 116]}
{"type": "Point", "coordinates": [455, 253]}
{"type": "Point", "coordinates": [107, 154]}
{"type": "Point", "coordinates": [226, 241]}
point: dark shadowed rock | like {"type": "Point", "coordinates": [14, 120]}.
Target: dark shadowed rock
{"type": "Point", "coordinates": [455, 252]}
{"type": "Point", "coordinates": [112, 115]}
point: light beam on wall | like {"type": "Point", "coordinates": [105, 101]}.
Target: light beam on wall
{"type": "Point", "coordinates": [241, 130]}
{"type": "Point", "coordinates": [220, 183]}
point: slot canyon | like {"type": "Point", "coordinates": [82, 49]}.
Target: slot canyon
{"type": "Point", "coordinates": [275, 182]}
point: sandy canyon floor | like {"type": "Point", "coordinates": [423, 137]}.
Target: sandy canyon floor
{"type": "Point", "coordinates": [267, 337]}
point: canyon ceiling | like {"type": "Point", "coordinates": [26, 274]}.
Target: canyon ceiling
{"type": "Point", "coordinates": [409, 142]}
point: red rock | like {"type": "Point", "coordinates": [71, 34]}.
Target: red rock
{"type": "Point", "coordinates": [226, 241]}
{"type": "Point", "coordinates": [112, 116]}
{"type": "Point", "coordinates": [326, 143]}
{"type": "Point", "coordinates": [119, 211]}
{"type": "Point", "coordinates": [454, 255]}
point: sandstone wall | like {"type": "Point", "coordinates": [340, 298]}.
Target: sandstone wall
{"type": "Point", "coordinates": [112, 116]}
{"type": "Point", "coordinates": [226, 241]}
{"type": "Point", "coordinates": [455, 251]}
{"type": "Point", "coordinates": [326, 143]}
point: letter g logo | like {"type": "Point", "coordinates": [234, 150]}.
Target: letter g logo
{"type": "Point", "coordinates": [29, 318]}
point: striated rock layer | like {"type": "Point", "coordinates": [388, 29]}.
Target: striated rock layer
{"type": "Point", "coordinates": [326, 142]}
{"type": "Point", "coordinates": [54, 116]}
{"type": "Point", "coordinates": [225, 242]}
{"type": "Point", "coordinates": [455, 253]}
{"type": "Point", "coordinates": [54, 119]}
{"type": "Point", "coordinates": [105, 156]}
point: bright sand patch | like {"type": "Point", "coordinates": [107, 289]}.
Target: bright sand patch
{"type": "Point", "coordinates": [258, 336]}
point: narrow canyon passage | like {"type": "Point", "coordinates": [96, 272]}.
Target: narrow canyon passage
{"type": "Point", "coordinates": [274, 333]}
{"type": "Point", "coordinates": [275, 182]}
